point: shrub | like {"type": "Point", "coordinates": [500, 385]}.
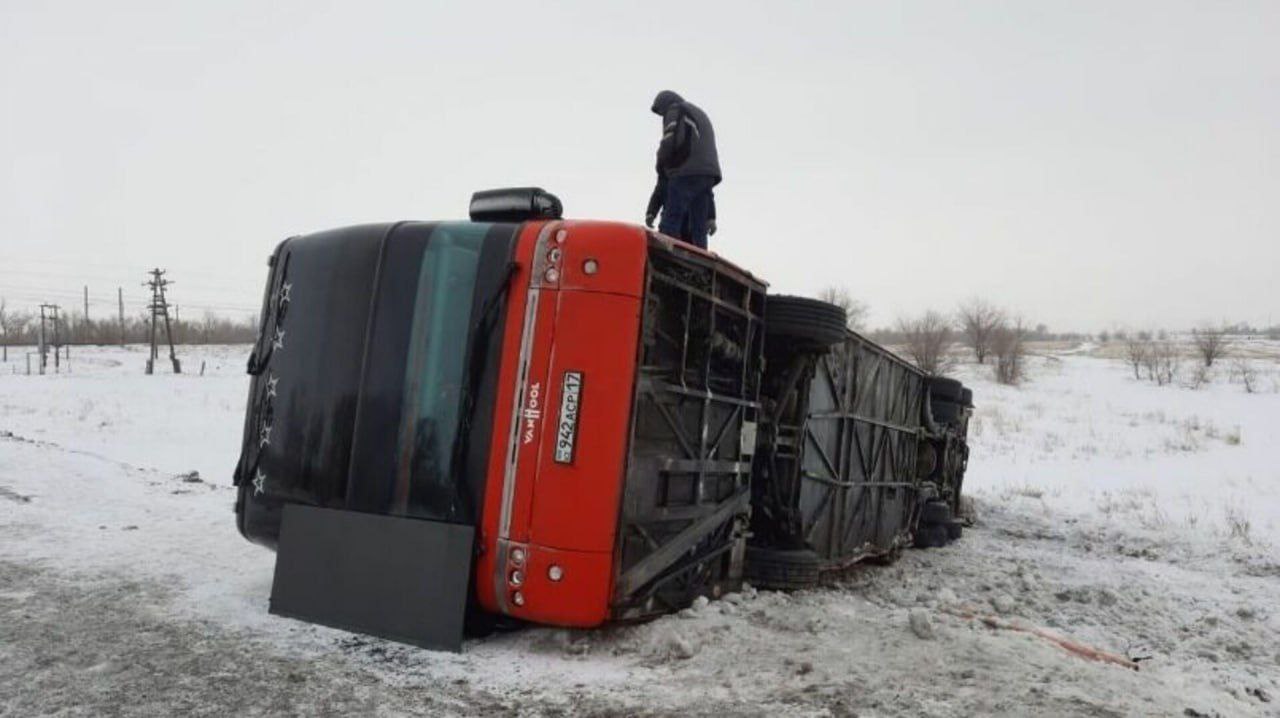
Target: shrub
{"type": "Point", "coordinates": [1211, 343]}
{"type": "Point", "coordinates": [1010, 348]}
{"type": "Point", "coordinates": [927, 339]}
{"type": "Point", "coordinates": [980, 322]}
{"type": "Point", "coordinates": [855, 311]}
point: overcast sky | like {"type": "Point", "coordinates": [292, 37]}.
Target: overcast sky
{"type": "Point", "coordinates": [1088, 165]}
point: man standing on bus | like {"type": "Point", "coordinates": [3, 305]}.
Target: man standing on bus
{"type": "Point", "coordinates": [688, 169]}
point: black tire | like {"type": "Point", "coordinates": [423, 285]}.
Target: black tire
{"type": "Point", "coordinates": [966, 397]}
{"type": "Point", "coordinates": [935, 513]}
{"type": "Point", "coordinates": [946, 389]}
{"type": "Point", "coordinates": [806, 323]}
{"type": "Point", "coordinates": [955, 529]}
{"type": "Point", "coordinates": [931, 536]}
{"type": "Point", "coordinates": [781, 569]}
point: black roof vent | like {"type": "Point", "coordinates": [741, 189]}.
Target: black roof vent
{"type": "Point", "coordinates": [514, 204]}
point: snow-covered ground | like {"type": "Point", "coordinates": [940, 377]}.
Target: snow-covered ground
{"type": "Point", "coordinates": [1136, 519]}
{"type": "Point", "coordinates": [1082, 434]}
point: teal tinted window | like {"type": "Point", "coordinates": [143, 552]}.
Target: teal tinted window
{"type": "Point", "coordinates": [435, 368]}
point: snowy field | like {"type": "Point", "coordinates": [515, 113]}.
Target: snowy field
{"type": "Point", "coordinates": [1138, 520]}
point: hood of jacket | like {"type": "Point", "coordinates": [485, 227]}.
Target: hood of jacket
{"type": "Point", "coordinates": [664, 101]}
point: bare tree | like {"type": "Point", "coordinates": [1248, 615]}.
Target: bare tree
{"type": "Point", "coordinates": [210, 329]}
{"type": "Point", "coordinates": [1243, 370]}
{"type": "Point", "coordinates": [1211, 342]}
{"type": "Point", "coordinates": [1136, 351]}
{"type": "Point", "coordinates": [1009, 346]}
{"type": "Point", "coordinates": [214, 329]}
{"type": "Point", "coordinates": [855, 310]}
{"type": "Point", "coordinates": [1169, 362]}
{"type": "Point", "coordinates": [927, 339]}
{"type": "Point", "coordinates": [1163, 363]}
{"type": "Point", "coordinates": [979, 323]}
{"type": "Point", "coordinates": [12, 324]}
{"type": "Point", "coordinates": [1200, 376]}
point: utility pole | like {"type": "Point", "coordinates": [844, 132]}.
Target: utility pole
{"type": "Point", "coordinates": [120, 298]}
{"type": "Point", "coordinates": [44, 343]}
{"type": "Point", "coordinates": [160, 309]}
{"type": "Point", "coordinates": [52, 316]}
{"type": "Point", "coordinates": [43, 357]}
{"type": "Point", "coordinates": [57, 340]}
{"type": "Point", "coordinates": [85, 331]}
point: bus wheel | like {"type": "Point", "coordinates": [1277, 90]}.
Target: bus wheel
{"type": "Point", "coordinates": [803, 323]}
{"type": "Point", "coordinates": [782, 569]}
{"type": "Point", "coordinates": [931, 536]}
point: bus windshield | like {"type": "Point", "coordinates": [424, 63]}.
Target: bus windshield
{"type": "Point", "coordinates": [435, 371]}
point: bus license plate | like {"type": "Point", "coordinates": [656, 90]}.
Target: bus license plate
{"type": "Point", "coordinates": [570, 407]}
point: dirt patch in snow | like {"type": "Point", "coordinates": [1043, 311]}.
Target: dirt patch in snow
{"type": "Point", "coordinates": [11, 495]}
{"type": "Point", "coordinates": [105, 645]}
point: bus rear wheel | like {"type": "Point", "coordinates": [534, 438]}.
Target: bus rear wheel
{"type": "Point", "coordinates": [803, 323]}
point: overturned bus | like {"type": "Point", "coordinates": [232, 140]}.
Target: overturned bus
{"type": "Point", "coordinates": [568, 422]}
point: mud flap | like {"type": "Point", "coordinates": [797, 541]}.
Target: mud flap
{"type": "Point", "coordinates": [398, 578]}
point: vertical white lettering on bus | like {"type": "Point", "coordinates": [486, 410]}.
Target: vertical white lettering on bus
{"type": "Point", "coordinates": [532, 412]}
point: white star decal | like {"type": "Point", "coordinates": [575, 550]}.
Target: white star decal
{"type": "Point", "coordinates": [272, 380]}
{"type": "Point", "coordinates": [284, 292]}
{"type": "Point", "coordinates": [264, 435]}
{"type": "Point", "coordinates": [278, 341]}
{"type": "Point", "coordinates": [259, 481]}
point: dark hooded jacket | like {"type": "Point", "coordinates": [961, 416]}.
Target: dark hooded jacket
{"type": "Point", "coordinates": [688, 146]}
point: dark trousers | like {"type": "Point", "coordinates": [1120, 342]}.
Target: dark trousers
{"type": "Point", "coordinates": [686, 209]}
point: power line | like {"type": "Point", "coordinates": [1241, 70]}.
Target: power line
{"type": "Point", "coordinates": [30, 293]}
{"type": "Point", "coordinates": [25, 278]}
{"type": "Point", "coordinates": [17, 283]}
{"type": "Point", "coordinates": [124, 268]}
{"type": "Point", "coordinates": [9, 275]}
{"type": "Point", "coordinates": [77, 267]}
{"type": "Point", "coordinates": [211, 284]}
